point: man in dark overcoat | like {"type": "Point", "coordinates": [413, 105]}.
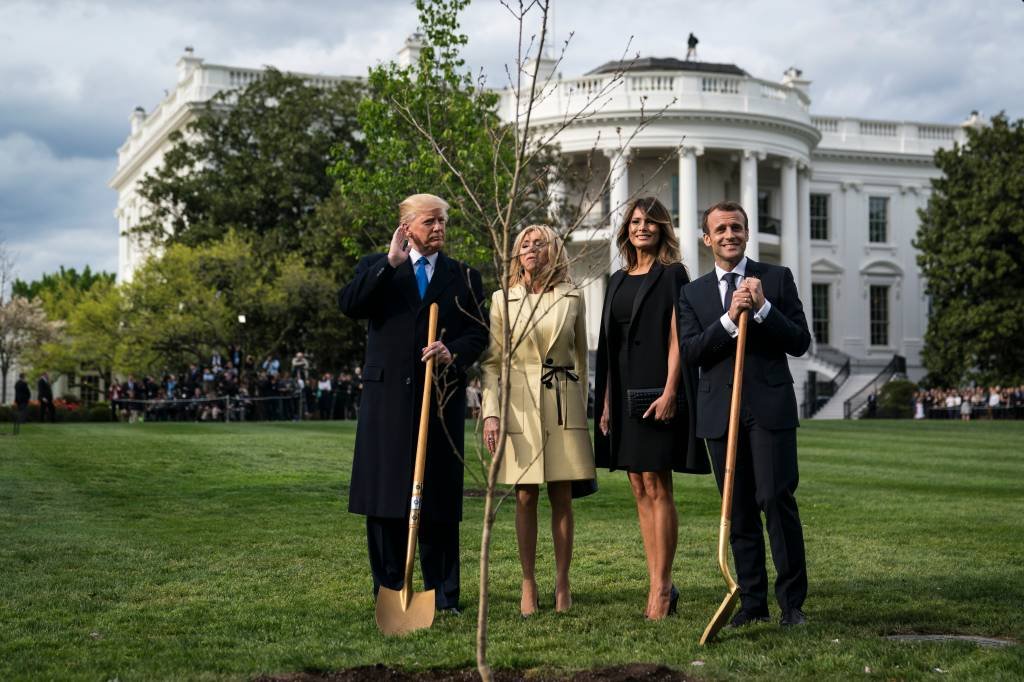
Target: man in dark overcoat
{"type": "Point", "coordinates": [393, 292]}
{"type": "Point", "coordinates": [766, 466]}
{"type": "Point", "coordinates": [22, 395]}
{"type": "Point", "coordinates": [44, 393]}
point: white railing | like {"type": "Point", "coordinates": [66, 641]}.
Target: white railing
{"type": "Point", "coordinates": [728, 86]}
{"type": "Point", "coordinates": [934, 132]}
{"type": "Point", "coordinates": [878, 129]}
{"type": "Point", "coordinates": [651, 83]}
{"type": "Point", "coordinates": [826, 125]}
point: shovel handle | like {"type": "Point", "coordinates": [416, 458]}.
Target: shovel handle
{"type": "Point", "coordinates": [734, 425]}
{"type": "Point", "coordinates": [416, 500]}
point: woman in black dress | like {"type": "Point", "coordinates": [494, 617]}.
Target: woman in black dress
{"type": "Point", "coordinates": [639, 351]}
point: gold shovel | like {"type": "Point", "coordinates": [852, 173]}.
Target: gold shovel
{"type": "Point", "coordinates": [721, 616]}
{"type": "Point", "coordinates": [402, 611]}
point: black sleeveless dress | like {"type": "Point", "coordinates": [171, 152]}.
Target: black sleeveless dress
{"type": "Point", "coordinates": [638, 445]}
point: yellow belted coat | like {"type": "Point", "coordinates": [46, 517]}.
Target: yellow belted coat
{"type": "Point", "coordinates": [548, 433]}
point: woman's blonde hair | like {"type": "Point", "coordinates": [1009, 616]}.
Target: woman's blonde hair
{"type": "Point", "coordinates": [668, 242]}
{"type": "Point", "coordinates": [557, 268]}
{"type": "Point", "coordinates": [417, 203]}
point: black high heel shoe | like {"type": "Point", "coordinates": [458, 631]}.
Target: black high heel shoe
{"type": "Point", "coordinates": [673, 601]}
{"type": "Point", "coordinates": [673, 604]}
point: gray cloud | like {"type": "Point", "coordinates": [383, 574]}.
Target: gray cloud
{"type": "Point", "coordinates": [73, 71]}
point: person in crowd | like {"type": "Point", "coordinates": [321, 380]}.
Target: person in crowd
{"type": "Point", "coordinates": [342, 395]}
{"type": "Point", "coordinates": [394, 291]}
{"type": "Point", "coordinates": [547, 434]}
{"type": "Point", "coordinates": [114, 398]}
{"type": "Point", "coordinates": [22, 395]}
{"type": "Point", "coordinates": [325, 396]}
{"type": "Point", "coordinates": [300, 366]}
{"type": "Point", "coordinates": [44, 394]}
{"type": "Point", "coordinates": [638, 355]}
{"type": "Point", "coordinates": [766, 473]}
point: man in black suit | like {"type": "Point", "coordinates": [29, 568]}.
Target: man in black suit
{"type": "Point", "coordinates": [21, 397]}
{"type": "Point", "coordinates": [44, 392]}
{"type": "Point", "coordinates": [393, 291]}
{"type": "Point", "coordinates": [766, 466]}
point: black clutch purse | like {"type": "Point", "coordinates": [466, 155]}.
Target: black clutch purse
{"type": "Point", "coordinates": [638, 401]}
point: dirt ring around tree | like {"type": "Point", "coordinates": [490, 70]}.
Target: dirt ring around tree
{"type": "Point", "coordinates": [634, 672]}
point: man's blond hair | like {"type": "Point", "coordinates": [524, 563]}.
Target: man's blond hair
{"type": "Point", "coordinates": [413, 205]}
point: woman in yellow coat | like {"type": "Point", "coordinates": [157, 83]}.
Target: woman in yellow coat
{"type": "Point", "coordinates": [547, 439]}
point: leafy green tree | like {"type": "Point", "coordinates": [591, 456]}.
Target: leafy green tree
{"type": "Point", "coordinates": [91, 335]}
{"type": "Point", "coordinates": [971, 243]}
{"type": "Point", "coordinates": [182, 306]}
{"type": "Point", "coordinates": [432, 128]}
{"type": "Point", "coordinates": [61, 291]}
{"type": "Point", "coordinates": [253, 161]}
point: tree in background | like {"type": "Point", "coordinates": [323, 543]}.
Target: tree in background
{"type": "Point", "coordinates": [60, 290]}
{"type": "Point", "coordinates": [254, 161]}
{"type": "Point", "coordinates": [414, 118]}
{"type": "Point", "coordinates": [23, 325]}
{"type": "Point", "coordinates": [971, 243]}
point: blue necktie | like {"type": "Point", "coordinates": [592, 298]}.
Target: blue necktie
{"type": "Point", "coordinates": [421, 275]}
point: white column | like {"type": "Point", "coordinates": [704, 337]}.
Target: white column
{"type": "Point", "coordinates": [593, 294]}
{"type": "Point", "coordinates": [803, 277]}
{"type": "Point", "coordinates": [618, 181]}
{"type": "Point", "coordinates": [688, 228]}
{"type": "Point", "coordinates": [790, 237]}
{"type": "Point", "coordinates": [748, 196]}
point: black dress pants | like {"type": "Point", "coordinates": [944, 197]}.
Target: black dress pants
{"type": "Point", "coordinates": [765, 481]}
{"type": "Point", "coordinates": [438, 547]}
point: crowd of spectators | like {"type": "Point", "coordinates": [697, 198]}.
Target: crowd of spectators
{"type": "Point", "coordinates": [993, 402]}
{"type": "Point", "coordinates": [237, 388]}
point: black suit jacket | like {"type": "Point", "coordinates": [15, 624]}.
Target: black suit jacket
{"type": "Point", "coordinates": [647, 349]}
{"type": "Point", "coordinates": [393, 383]}
{"type": "Point", "coordinates": [43, 390]}
{"type": "Point", "coordinates": [767, 382]}
{"type": "Point", "coordinates": [21, 393]}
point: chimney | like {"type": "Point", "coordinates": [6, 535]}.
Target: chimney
{"type": "Point", "coordinates": [187, 63]}
{"type": "Point", "coordinates": [973, 121]}
{"type": "Point", "coordinates": [409, 55]}
{"type": "Point", "coordinates": [794, 78]}
{"type": "Point", "coordinates": [138, 116]}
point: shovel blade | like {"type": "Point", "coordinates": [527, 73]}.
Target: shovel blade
{"type": "Point", "coordinates": [395, 618]}
{"type": "Point", "coordinates": [721, 617]}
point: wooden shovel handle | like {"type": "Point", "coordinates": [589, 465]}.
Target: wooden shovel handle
{"type": "Point", "coordinates": [730, 452]}
{"type": "Point", "coordinates": [416, 500]}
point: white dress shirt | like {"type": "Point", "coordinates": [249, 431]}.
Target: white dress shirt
{"type": "Point", "coordinates": [415, 255]}
{"type": "Point", "coordinates": [723, 285]}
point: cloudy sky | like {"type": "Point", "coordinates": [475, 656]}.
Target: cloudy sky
{"type": "Point", "coordinates": [71, 73]}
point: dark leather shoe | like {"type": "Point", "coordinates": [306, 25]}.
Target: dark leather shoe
{"type": "Point", "coordinates": [792, 617]}
{"type": "Point", "coordinates": [746, 618]}
{"type": "Point", "coordinates": [450, 611]}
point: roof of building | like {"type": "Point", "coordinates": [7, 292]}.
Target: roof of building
{"type": "Point", "coordinates": [666, 64]}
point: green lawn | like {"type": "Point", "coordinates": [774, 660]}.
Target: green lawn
{"type": "Point", "coordinates": [214, 551]}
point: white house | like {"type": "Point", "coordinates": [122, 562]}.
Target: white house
{"type": "Point", "coordinates": [834, 198]}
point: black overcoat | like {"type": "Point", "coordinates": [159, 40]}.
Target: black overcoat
{"type": "Point", "coordinates": [767, 382]}
{"type": "Point", "coordinates": [393, 384]}
{"type": "Point", "coordinates": [21, 393]}
{"type": "Point", "coordinates": [649, 330]}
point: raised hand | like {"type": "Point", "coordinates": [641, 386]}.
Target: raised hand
{"type": "Point", "coordinates": [398, 252]}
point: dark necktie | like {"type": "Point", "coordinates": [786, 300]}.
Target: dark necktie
{"type": "Point", "coordinates": [421, 275]}
{"type": "Point", "coordinates": [730, 288]}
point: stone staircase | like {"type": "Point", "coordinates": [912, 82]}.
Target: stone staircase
{"type": "Point", "coordinates": [858, 379]}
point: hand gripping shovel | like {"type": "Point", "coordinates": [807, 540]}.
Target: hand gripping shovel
{"type": "Point", "coordinates": [721, 616]}
{"type": "Point", "coordinates": [401, 612]}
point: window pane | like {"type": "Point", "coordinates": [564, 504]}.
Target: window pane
{"type": "Point", "coordinates": [819, 311]}
{"type": "Point", "coordinates": [879, 316]}
{"type": "Point", "coordinates": [878, 219]}
{"type": "Point", "coordinates": [819, 216]}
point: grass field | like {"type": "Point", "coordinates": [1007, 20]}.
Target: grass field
{"type": "Point", "coordinates": [220, 552]}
